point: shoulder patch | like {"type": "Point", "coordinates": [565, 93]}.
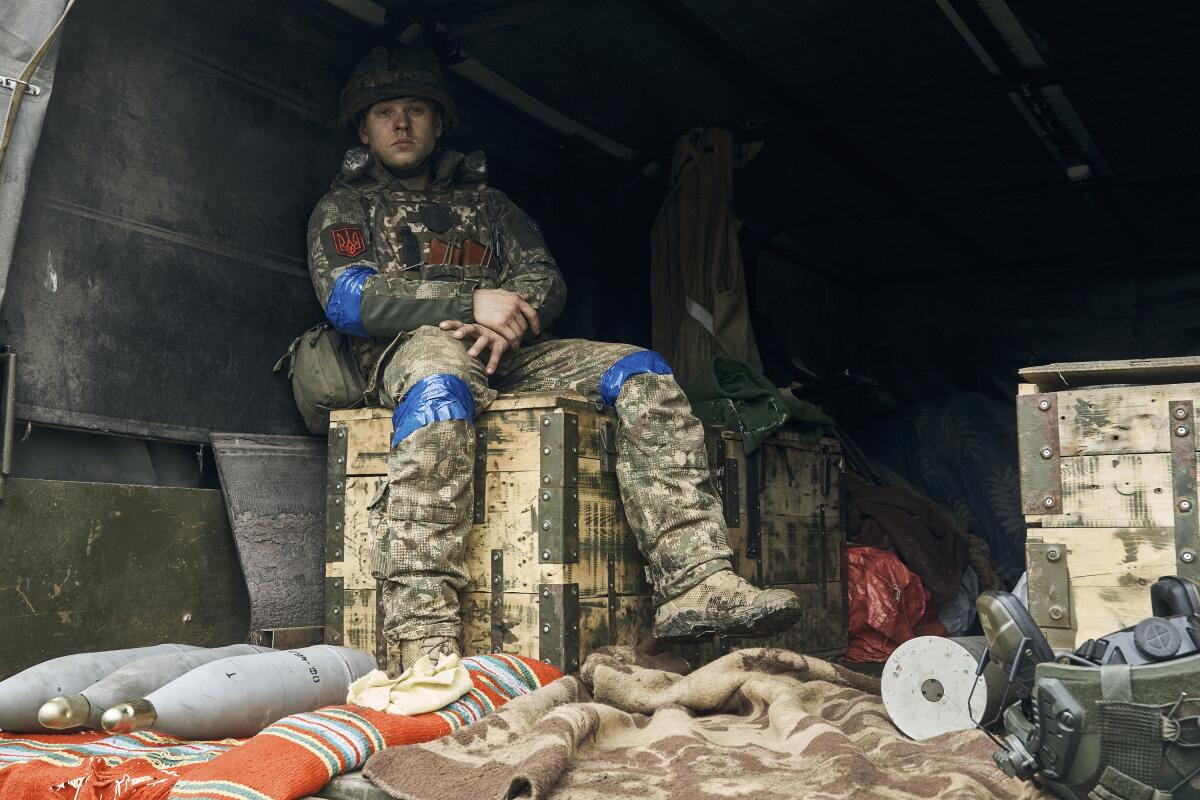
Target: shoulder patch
{"type": "Point", "coordinates": [347, 241]}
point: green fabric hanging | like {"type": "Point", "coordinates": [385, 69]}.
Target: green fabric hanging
{"type": "Point", "coordinates": [732, 393]}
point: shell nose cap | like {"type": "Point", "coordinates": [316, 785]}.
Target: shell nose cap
{"type": "Point", "coordinates": [64, 712]}
{"type": "Point", "coordinates": [129, 717]}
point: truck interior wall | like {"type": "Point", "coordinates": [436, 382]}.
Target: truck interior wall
{"type": "Point", "coordinates": [160, 265]}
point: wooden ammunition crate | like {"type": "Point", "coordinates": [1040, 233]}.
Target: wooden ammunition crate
{"type": "Point", "coordinates": [555, 571]}
{"type": "Point", "coordinates": [1108, 484]}
{"type": "Point", "coordinates": [783, 507]}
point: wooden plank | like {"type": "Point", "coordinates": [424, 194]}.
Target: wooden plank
{"type": "Point", "coordinates": [510, 526]}
{"type": "Point", "coordinates": [355, 567]}
{"type": "Point", "coordinates": [505, 402]}
{"type": "Point", "coordinates": [1118, 491]}
{"type": "Point", "coordinates": [792, 550]}
{"type": "Point", "coordinates": [791, 479]}
{"type": "Point", "coordinates": [522, 623]}
{"type": "Point", "coordinates": [1111, 570]}
{"type": "Point", "coordinates": [1132, 419]}
{"type": "Point", "coordinates": [512, 436]}
{"type": "Point", "coordinates": [1073, 374]}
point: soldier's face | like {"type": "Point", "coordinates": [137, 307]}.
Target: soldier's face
{"type": "Point", "coordinates": [401, 132]}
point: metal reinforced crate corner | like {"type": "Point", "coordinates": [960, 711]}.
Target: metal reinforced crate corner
{"type": "Point", "coordinates": [1108, 488]}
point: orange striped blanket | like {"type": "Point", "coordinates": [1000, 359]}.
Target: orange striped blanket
{"type": "Point", "coordinates": [292, 758]}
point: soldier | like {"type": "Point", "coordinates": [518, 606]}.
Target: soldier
{"type": "Point", "coordinates": [448, 287]}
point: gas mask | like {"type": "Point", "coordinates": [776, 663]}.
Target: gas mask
{"type": "Point", "coordinates": [1118, 719]}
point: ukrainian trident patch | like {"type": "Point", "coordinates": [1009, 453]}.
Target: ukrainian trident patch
{"type": "Point", "coordinates": [348, 242]}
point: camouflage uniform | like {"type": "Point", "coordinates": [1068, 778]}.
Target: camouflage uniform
{"type": "Point", "coordinates": [369, 219]}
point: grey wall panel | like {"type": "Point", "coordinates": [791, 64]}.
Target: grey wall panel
{"type": "Point", "coordinates": [159, 270]}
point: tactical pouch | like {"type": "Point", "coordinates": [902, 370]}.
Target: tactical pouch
{"type": "Point", "coordinates": [324, 375]}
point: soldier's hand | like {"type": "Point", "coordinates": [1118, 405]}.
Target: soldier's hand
{"type": "Point", "coordinates": [484, 339]}
{"type": "Point", "coordinates": [507, 313]}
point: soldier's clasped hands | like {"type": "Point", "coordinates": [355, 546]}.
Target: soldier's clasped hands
{"type": "Point", "coordinates": [507, 313]}
{"type": "Point", "coordinates": [485, 339]}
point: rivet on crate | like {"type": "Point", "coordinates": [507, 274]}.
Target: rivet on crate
{"type": "Point", "coordinates": [1185, 505]}
{"type": "Point", "coordinates": [545, 555]}
{"type": "Point", "coordinates": [1044, 405]}
{"type": "Point", "coordinates": [1048, 502]}
{"type": "Point", "coordinates": [1056, 612]}
{"type": "Point", "coordinates": [1181, 431]}
{"type": "Point", "coordinates": [1047, 452]}
{"type": "Point", "coordinates": [1180, 413]}
{"type": "Point", "coordinates": [1053, 555]}
{"type": "Point", "coordinates": [1187, 556]}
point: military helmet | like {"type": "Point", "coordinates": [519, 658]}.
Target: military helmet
{"type": "Point", "coordinates": [396, 71]}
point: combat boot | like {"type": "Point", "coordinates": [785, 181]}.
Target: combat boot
{"type": "Point", "coordinates": [727, 605]}
{"type": "Point", "coordinates": [412, 649]}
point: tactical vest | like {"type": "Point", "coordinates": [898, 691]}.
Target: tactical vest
{"type": "Point", "coordinates": [434, 235]}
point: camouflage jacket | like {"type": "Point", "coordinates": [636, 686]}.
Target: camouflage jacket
{"type": "Point", "coordinates": [429, 250]}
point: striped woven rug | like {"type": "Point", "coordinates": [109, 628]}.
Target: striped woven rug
{"type": "Point", "coordinates": [292, 758]}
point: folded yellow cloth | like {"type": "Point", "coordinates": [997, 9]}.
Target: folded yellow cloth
{"type": "Point", "coordinates": [426, 686]}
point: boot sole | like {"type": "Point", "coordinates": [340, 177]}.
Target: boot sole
{"type": "Point", "coordinates": [693, 626]}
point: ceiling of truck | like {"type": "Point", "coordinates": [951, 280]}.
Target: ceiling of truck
{"type": "Point", "coordinates": [905, 140]}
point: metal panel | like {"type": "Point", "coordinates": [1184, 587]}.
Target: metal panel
{"type": "Point", "coordinates": [727, 482]}
{"type": "Point", "coordinates": [497, 600]}
{"type": "Point", "coordinates": [479, 477]}
{"type": "Point", "coordinates": [289, 638]}
{"type": "Point", "coordinates": [335, 494]}
{"type": "Point", "coordinates": [557, 518]}
{"type": "Point", "coordinates": [94, 566]}
{"type": "Point", "coordinates": [558, 625]}
{"type": "Point", "coordinates": [274, 488]}
{"type": "Point", "coordinates": [1183, 483]}
{"type": "Point", "coordinates": [381, 643]}
{"type": "Point", "coordinates": [1039, 453]}
{"type": "Point", "coordinates": [335, 603]}
{"type": "Point", "coordinates": [170, 255]}
{"type": "Point", "coordinates": [1049, 584]}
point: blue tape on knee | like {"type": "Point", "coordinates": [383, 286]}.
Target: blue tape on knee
{"type": "Point", "coordinates": [433, 399]}
{"type": "Point", "coordinates": [344, 309]}
{"type": "Point", "coordinates": [633, 364]}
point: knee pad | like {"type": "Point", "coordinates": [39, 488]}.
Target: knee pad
{"type": "Point", "coordinates": [344, 307]}
{"type": "Point", "coordinates": [633, 364]}
{"type": "Point", "coordinates": [434, 399]}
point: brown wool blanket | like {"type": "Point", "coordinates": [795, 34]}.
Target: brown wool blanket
{"type": "Point", "coordinates": [757, 723]}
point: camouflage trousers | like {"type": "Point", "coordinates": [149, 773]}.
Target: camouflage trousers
{"type": "Point", "coordinates": [662, 470]}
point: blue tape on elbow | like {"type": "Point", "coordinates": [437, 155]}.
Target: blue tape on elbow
{"type": "Point", "coordinates": [633, 364]}
{"type": "Point", "coordinates": [344, 309]}
{"type": "Point", "coordinates": [434, 399]}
